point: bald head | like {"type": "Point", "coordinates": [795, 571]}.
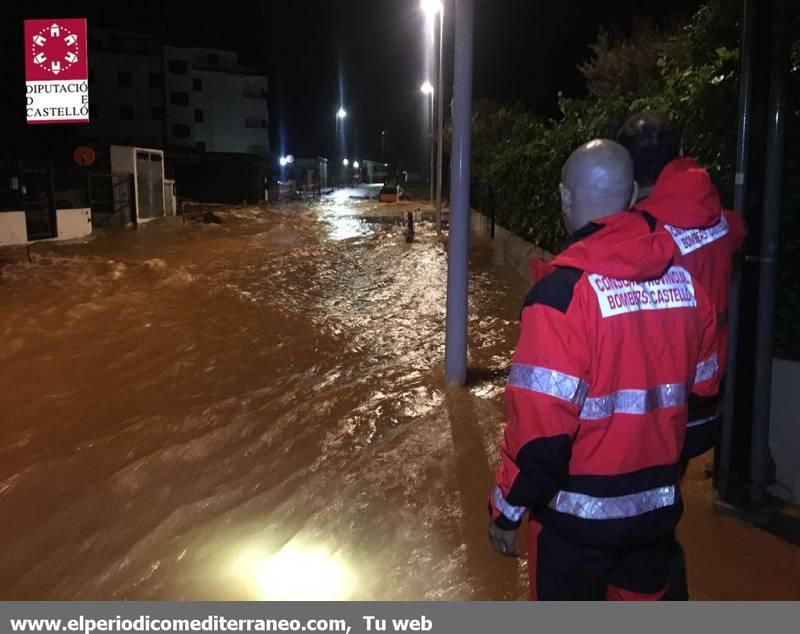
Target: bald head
{"type": "Point", "coordinates": [597, 180]}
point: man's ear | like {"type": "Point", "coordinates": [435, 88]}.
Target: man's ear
{"type": "Point", "coordinates": [566, 197]}
{"type": "Point", "coordinates": [635, 195]}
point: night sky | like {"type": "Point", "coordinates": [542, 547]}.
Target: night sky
{"type": "Point", "coordinates": [525, 50]}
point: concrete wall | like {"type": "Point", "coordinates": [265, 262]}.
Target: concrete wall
{"type": "Point", "coordinates": [73, 223]}
{"type": "Point", "coordinates": [511, 248]}
{"type": "Point", "coordinates": [784, 428]}
{"type": "Point", "coordinates": [123, 160]}
{"type": "Point", "coordinates": [13, 229]}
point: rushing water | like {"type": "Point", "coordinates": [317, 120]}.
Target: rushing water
{"type": "Point", "coordinates": [250, 410]}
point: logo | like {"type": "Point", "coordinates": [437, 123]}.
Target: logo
{"type": "Point", "coordinates": [56, 71]}
{"type": "Point", "coordinates": [55, 49]}
{"type": "Point", "coordinates": [675, 289]}
{"type": "Point", "coordinates": [689, 240]}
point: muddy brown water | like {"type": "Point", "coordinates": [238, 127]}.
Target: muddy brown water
{"type": "Point", "coordinates": [252, 410]}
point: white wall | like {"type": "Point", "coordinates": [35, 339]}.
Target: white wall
{"type": "Point", "coordinates": [73, 223]}
{"type": "Point", "coordinates": [784, 430]}
{"type": "Point", "coordinates": [123, 159]}
{"type": "Point", "coordinates": [13, 229]}
{"type": "Point", "coordinates": [227, 111]}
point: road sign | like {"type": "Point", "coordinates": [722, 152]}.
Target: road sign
{"type": "Point", "coordinates": [84, 156]}
{"type": "Point", "coordinates": [56, 71]}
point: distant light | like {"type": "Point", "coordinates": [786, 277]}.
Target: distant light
{"type": "Point", "coordinates": [426, 88]}
{"type": "Point", "coordinates": [283, 161]}
{"type": "Point", "coordinates": [386, 165]}
{"type": "Point", "coordinates": [345, 162]}
{"type": "Point", "coordinates": [355, 164]}
{"type": "Point", "coordinates": [289, 159]}
{"type": "Point", "coordinates": [431, 7]}
{"type": "Point", "coordinates": [341, 114]}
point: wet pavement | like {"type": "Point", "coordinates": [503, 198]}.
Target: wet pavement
{"type": "Point", "coordinates": [256, 410]}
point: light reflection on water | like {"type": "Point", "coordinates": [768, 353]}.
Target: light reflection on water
{"type": "Point", "coordinates": [296, 572]}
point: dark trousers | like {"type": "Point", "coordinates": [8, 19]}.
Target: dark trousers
{"type": "Point", "coordinates": [561, 570]}
{"type": "Point", "coordinates": [678, 587]}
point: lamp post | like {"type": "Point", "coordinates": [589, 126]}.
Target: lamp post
{"type": "Point", "coordinates": [432, 8]}
{"type": "Point", "coordinates": [427, 89]}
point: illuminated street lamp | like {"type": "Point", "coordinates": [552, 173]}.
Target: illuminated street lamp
{"type": "Point", "coordinates": [283, 161]}
{"type": "Point", "coordinates": [427, 90]}
{"type": "Point", "coordinates": [355, 164]}
{"type": "Point", "coordinates": [345, 162]}
{"type": "Point", "coordinates": [341, 113]}
{"type": "Point", "coordinates": [431, 7]}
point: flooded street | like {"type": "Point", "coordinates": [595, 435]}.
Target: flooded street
{"type": "Point", "coordinates": [251, 410]}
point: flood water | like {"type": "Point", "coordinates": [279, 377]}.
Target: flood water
{"type": "Point", "coordinates": [251, 410]}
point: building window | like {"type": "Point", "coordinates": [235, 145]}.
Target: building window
{"type": "Point", "coordinates": [197, 83]}
{"type": "Point", "coordinates": [126, 113]}
{"type": "Point", "coordinates": [181, 131]}
{"type": "Point", "coordinates": [213, 58]}
{"type": "Point", "coordinates": [201, 145]}
{"type": "Point", "coordinates": [178, 66]}
{"type": "Point", "coordinates": [157, 113]}
{"type": "Point", "coordinates": [124, 79]}
{"type": "Point", "coordinates": [198, 116]}
{"type": "Point", "coordinates": [179, 98]}
{"type": "Point", "coordinates": [156, 81]}
{"type": "Point", "coordinates": [255, 123]}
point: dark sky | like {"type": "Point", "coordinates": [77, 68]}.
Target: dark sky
{"type": "Point", "coordinates": [525, 50]}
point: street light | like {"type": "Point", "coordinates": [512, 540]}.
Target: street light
{"type": "Point", "coordinates": [345, 162]}
{"type": "Point", "coordinates": [427, 90]}
{"type": "Point", "coordinates": [355, 164]}
{"type": "Point", "coordinates": [341, 113]}
{"type": "Point", "coordinates": [432, 8]}
{"type": "Point", "coordinates": [283, 161]}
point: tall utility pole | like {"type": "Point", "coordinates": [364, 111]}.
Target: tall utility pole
{"type": "Point", "coordinates": [725, 453]}
{"type": "Point", "coordinates": [440, 140]}
{"type": "Point", "coordinates": [768, 261]}
{"type": "Point", "coordinates": [458, 241]}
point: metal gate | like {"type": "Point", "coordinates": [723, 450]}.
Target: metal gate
{"type": "Point", "coordinates": [111, 197]}
{"type": "Point", "coordinates": [149, 184]}
{"type": "Point", "coordinates": [36, 179]}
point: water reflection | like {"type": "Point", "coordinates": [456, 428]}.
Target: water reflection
{"type": "Point", "coordinates": [297, 572]}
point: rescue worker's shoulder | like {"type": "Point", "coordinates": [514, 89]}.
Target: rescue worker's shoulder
{"type": "Point", "coordinates": [555, 290]}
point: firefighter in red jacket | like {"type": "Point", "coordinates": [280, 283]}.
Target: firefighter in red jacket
{"type": "Point", "coordinates": [679, 193]}
{"type": "Point", "coordinates": [613, 345]}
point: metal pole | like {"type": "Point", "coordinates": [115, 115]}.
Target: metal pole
{"type": "Point", "coordinates": [440, 140]}
{"type": "Point", "coordinates": [458, 241]}
{"type": "Point", "coordinates": [432, 149]}
{"type": "Point", "coordinates": [740, 193]}
{"type": "Point", "coordinates": [768, 275]}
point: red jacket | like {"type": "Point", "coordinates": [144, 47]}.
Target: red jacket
{"type": "Point", "coordinates": [613, 344]}
{"type": "Point", "coordinates": [706, 237]}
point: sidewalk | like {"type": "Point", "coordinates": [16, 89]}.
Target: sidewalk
{"type": "Point", "coordinates": [727, 559]}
